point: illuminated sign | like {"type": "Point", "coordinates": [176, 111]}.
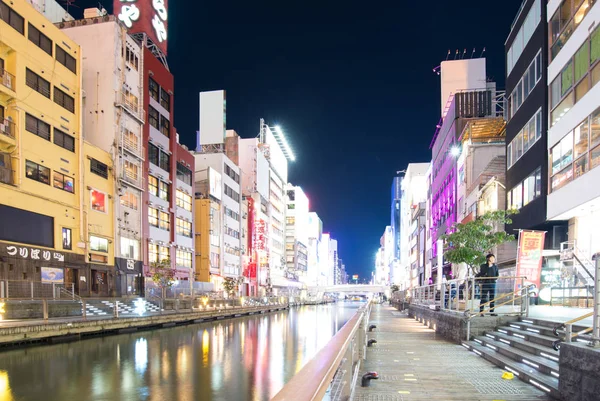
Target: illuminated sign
{"type": "Point", "coordinates": [355, 277]}
{"type": "Point", "coordinates": [148, 16]}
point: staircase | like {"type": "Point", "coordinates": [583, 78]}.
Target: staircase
{"type": "Point", "coordinates": [524, 348]}
{"type": "Point", "coordinates": [133, 306]}
{"type": "Point", "coordinates": [583, 267]}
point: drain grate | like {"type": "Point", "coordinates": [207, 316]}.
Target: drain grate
{"type": "Point", "coordinates": [390, 378]}
{"type": "Point", "coordinates": [371, 349]}
{"type": "Point", "coordinates": [495, 388]}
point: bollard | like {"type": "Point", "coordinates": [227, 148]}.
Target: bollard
{"type": "Point", "coordinates": [371, 342]}
{"type": "Point", "coordinates": [367, 377]}
{"type": "Point", "coordinates": [83, 309]}
{"type": "Point", "coordinates": [116, 309]}
{"type": "Point", "coordinates": [372, 327]}
{"type": "Point", "coordinates": [45, 308]}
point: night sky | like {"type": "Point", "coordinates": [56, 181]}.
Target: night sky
{"type": "Point", "coordinates": [351, 84]}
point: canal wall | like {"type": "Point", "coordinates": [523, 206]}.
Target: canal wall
{"type": "Point", "coordinates": [72, 330]}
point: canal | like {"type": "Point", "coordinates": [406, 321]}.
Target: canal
{"type": "Point", "coordinates": [247, 358]}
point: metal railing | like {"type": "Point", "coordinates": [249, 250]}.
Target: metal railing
{"type": "Point", "coordinates": [135, 108]}
{"type": "Point", "coordinates": [7, 127]}
{"type": "Point", "coordinates": [6, 175]}
{"type": "Point", "coordinates": [577, 294]}
{"type": "Point", "coordinates": [7, 79]}
{"type": "Point", "coordinates": [13, 289]}
{"type": "Point", "coordinates": [333, 371]}
{"type": "Point", "coordinates": [566, 330]}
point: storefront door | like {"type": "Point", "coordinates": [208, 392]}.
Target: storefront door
{"type": "Point", "coordinates": [133, 284]}
{"type": "Point", "coordinates": [72, 280]}
{"type": "Point", "coordinates": [99, 283]}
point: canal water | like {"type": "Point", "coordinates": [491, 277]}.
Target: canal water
{"type": "Point", "coordinates": [247, 358]}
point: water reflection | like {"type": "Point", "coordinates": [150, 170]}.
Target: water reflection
{"type": "Point", "coordinates": [248, 358]}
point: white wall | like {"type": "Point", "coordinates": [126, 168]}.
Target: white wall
{"type": "Point", "coordinates": [459, 75]}
{"type": "Point", "coordinates": [212, 118]}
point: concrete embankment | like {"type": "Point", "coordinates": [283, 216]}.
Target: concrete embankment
{"type": "Point", "coordinates": [50, 332]}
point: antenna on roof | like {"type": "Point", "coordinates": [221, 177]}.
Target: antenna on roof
{"type": "Point", "coordinates": [456, 54]}
{"type": "Point", "coordinates": [473, 53]}
{"type": "Point", "coordinates": [69, 3]}
{"type": "Point", "coordinates": [483, 51]}
{"type": "Point", "coordinates": [463, 54]}
{"type": "Point", "coordinates": [448, 55]}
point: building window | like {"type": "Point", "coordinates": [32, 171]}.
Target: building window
{"type": "Point", "coordinates": [153, 217]}
{"type": "Point", "coordinates": [184, 174]}
{"type": "Point", "coordinates": [165, 126]}
{"type": "Point", "coordinates": [165, 99]}
{"type": "Point", "coordinates": [184, 201]}
{"type": "Point", "coordinates": [37, 127]}
{"type": "Point", "coordinates": [129, 248]}
{"type": "Point", "coordinates": [64, 140]}
{"type": "Point", "coordinates": [232, 194]}
{"type": "Point", "coordinates": [153, 154]}
{"type": "Point", "coordinates": [525, 139]}
{"type": "Point", "coordinates": [98, 168]}
{"type": "Point", "coordinates": [37, 172]}
{"type": "Point", "coordinates": [154, 89]}
{"type": "Point", "coordinates": [131, 140]}
{"type": "Point", "coordinates": [184, 228]}
{"type": "Point", "coordinates": [184, 259]}
{"type": "Point", "coordinates": [564, 22]}
{"type": "Point", "coordinates": [165, 161]}
{"type": "Point", "coordinates": [164, 191]}
{"type": "Point", "coordinates": [232, 214]}
{"type": "Point", "coordinates": [67, 239]}
{"type": "Point", "coordinates": [157, 253]}
{"type": "Point", "coordinates": [98, 244]}
{"type": "Point", "coordinates": [37, 83]}
{"type": "Point", "coordinates": [12, 18]}
{"type": "Point", "coordinates": [131, 58]}
{"type": "Point", "coordinates": [41, 40]}
{"type": "Point", "coordinates": [523, 35]}
{"type": "Point", "coordinates": [153, 117]}
{"type": "Point", "coordinates": [66, 59]}
{"type": "Point", "coordinates": [63, 182]}
{"type": "Point", "coordinates": [525, 86]}
{"type": "Point", "coordinates": [98, 200]}
{"type": "Point", "coordinates": [163, 253]}
{"type": "Point", "coordinates": [64, 100]}
{"type": "Point", "coordinates": [130, 200]}
{"type": "Point", "coordinates": [131, 170]}
{"type": "Point", "coordinates": [152, 185]}
{"type": "Point", "coordinates": [232, 174]}
{"type": "Point", "coordinates": [165, 220]}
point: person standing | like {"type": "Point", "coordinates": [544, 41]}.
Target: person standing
{"type": "Point", "coordinates": [489, 273]}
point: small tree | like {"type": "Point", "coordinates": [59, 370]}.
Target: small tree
{"type": "Point", "coordinates": [231, 285]}
{"type": "Point", "coordinates": [163, 275]}
{"type": "Point", "coordinates": [470, 242]}
{"type": "Point", "coordinates": [394, 288]}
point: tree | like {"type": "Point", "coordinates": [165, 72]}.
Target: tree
{"type": "Point", "coordinates": [470, 242]}
{"type": "Point", "coordinates": [231, 285]}
{"type": "Point", "coordinates": [394, 288]}
{"type": "Point", "coordinates": [163, 275]}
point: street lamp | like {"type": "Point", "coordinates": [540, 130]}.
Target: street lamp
{"type": "Point", "coordinates": [455, 151]}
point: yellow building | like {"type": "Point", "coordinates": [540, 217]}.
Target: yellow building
{"type": "Point", "coordinates": [43, 228]}
{"type": "Point", "coordinates": [208, 240]}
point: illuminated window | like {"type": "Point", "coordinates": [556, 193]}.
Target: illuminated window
{"type": "Point", "coordinates": [153, 117]}
{"type": "Point", "coordinates": [153, 216]}
{"type": "Point", "coordinates": [98, 244]}
{"type": "Point", "coordinates": [184, 200]}
{"type": "Point", "coordinates": [67, 239]}
{"type": "Point", "coordinates": [165, 220]}
{"type": "Point", "coordinates": [163, 253]}
{"type": "Point", "coordinates": [152, 185]}
{"type": "Point", "coordinates": [164, 191]}
{"type": "Point", "coordinates": [129, 200]}
{"type": "Point", "coordinates": [129, 248]}
{"type": "Point", "coordinates": [184, 174]}
{"type": "Point", "coordinates": [184, 228]}
{"type": "Point", "coordinates": [184, 259]}
{"type": "Point", "coordinates": [98, 200]}
{"type": "Point", "coordinates": [37, 172]}
{"type": "Point", "coordinates": [63, 182]}
{"type": "Point", "coordinates": [131, 58]}
{"type": "Point", "coordinates": [157, 253]}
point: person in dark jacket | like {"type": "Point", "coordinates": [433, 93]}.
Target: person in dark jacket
{"type": "Point", "coordinates": [488, 285]}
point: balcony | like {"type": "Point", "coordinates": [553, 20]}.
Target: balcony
{"type": "Point", "coordinates": [130, 104]}
{"type": "Point", "coordinates": [7, 86]}
{"type": "Point", "coordinates": [131, 144]}
{"type": "Point", "coordinates": [7, 135]}
{"type": "Point", "coordinates": [131, 177]}
{"type": "Point", "coordinates": [417, 210]}
{"type": "Point", "coordinates": [6, 173]}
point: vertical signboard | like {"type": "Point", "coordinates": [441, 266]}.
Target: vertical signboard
{"type": "Point", "coordinates": [214, 184]}
{"type": "Point", "coordinates": [529, 256]}
{"type": "Point", "coordinates": [147, 16]}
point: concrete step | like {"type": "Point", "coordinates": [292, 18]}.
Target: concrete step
{"type": "Point", "coordinates": [527, 346]}
{"type": "Point", "coordinates": [536, 338]}
{"type": "Point", "coordinates": [543, 365]}
{"type": "Point", "coordinates": [548, 323]}
{"type": "Point", "coordinates": [524, 372]}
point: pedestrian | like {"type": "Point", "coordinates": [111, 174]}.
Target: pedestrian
{"type": "Point", "coordinates": [489, 274]}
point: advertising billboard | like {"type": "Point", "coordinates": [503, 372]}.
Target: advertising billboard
{"type": "Point", "coordinates": [145, 16]}
{"type": "Point", "coordinates": [276, 156]}
{"type": "Point", "coordinates": [52, 275]}
{"type": "Point", "coordinates": [529, 256]}
{"type": "Point", "coordinates": [262, 175]}
{"type": "Point", "coordinates": [214, 184]}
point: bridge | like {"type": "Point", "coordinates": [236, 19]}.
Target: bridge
{"type": "Point", "coordinates": [351, 288]}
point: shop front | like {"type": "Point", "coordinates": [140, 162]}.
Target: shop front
{"type": "Point", "coordinates": [129, 279]}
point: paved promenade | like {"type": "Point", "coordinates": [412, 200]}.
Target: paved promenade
{"type": "Point", "coordinates": [416, 364]}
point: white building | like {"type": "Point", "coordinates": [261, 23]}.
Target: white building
{"type": "Point", "coordinates": [296, 233]}
{"type": "Point", "coordinates": [325, 271]}
{"type": "Point", "coordinates": [315, 236]}
{"type": "Point", "coordinates": [574, 118]}
{"type": "Point", "coordinates": [113, 117]}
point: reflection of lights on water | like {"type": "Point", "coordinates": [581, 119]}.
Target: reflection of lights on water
{"type": "Point", "coordinates": [140, 306]}
{"type": "Point", "coordinates": [141, 355]}
{"type": "Point", "coordinates": [2, 310]}
{"type": "Point", "coordinates": [205, 341]}
{"type": "Point", "coordinates": [5, 392]}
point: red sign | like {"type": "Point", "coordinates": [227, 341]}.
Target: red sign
{"type": "Point", "coordinates": [529, 256]}
{"type": "Point", "coordinates": [147, 16]}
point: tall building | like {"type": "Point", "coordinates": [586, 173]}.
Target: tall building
{"type": "Point", "coordinates": [396, 223]}
{"type": "Point", "coordinates": [50, 179]}
{"type": "Point", "coordinates": [315, 236]}
{"type": "Point", "coordinates": [296, 232]}
{"type": "Point", "coordinates": [467, 98]}
{"type": "Point", "coordinates": [574, 129]}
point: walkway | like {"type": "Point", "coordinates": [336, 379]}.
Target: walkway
{"type": "Point", "coordinates": [416, 364]}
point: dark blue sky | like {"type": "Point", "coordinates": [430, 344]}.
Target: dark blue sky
{"type": "Point", "coordinates": [350, 82]}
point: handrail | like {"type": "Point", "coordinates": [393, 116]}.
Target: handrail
{"type": "Point", "coordinates": [313, 380]}
{"type": "Point", "coordinates": [522, 293]}
{"type": "Point", "coordinates": [568, 330]}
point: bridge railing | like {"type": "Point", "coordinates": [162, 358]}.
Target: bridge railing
{"type": "Point", "coordinates": [333, 371]}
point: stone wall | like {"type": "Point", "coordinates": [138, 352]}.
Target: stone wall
{"type": "Point", "coordinates": [35, 309]}
{"type": "Point", "coordinates": [453, 326]}
{"type": "Point", "coordinates": [579, 372]}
